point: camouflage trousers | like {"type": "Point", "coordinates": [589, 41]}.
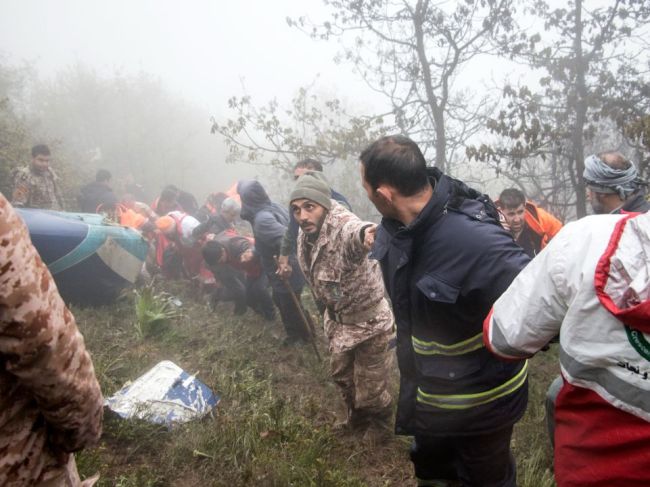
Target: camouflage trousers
{"type": "Point", "coordinates": [362, 374]}
{"type": "Point", "coordinates": [66, 476]}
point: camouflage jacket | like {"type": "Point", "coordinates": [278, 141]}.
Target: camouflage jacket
{"type": "Point", "coordinates": [50, 401]}
{"type": "Point", "coordinates": [345, 281]}
{"type": "Point", "coordinates": [36, 190]}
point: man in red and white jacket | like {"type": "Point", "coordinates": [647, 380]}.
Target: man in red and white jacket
{"type": "Point", "coordinates": [590, 285]}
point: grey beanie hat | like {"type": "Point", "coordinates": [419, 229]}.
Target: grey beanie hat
{"type": "Point", "coordinates": [313, 186]}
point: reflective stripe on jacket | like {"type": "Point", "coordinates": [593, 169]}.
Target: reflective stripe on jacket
{"type": "Point", "coordinates": [443, 273]}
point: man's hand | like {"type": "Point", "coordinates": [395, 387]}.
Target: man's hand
{"type": "Point", "coordinates": [369, 237]}
{"type": "Point", "coordinates": [246, 256]}
{"type": "Point", "coordinates": [284, 269]}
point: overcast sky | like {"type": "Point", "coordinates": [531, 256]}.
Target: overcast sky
{"type": "Point", "coordinates": [199, 48]}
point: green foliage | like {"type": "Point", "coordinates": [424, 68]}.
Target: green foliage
{"type": "Point", "coordinates": [272, 426]}
{"type": "Point", "coordinates": [531, 444]}
{"type": "Point", "coordinates": [153, 311]}
{"type": "Point", "coordinates": [14, 133]}
{"type": "Point", "coordinates": [130, 124]}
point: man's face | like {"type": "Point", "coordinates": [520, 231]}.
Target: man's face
{"type": "Point", "coordinates": [309, 215]}
{"type": "Point", "coordinates": [41, 162]}
{"type": "Point", "coordinates": [515, 218]}
{"type": "Point", "coordinates": [299, 171]}
{"type": "Point", "coordinates": [595, 200]}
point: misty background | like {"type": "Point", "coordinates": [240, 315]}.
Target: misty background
{"type": "Point", "coordinates": [132, 86]}
{"type": "Point", "coordinates": [203, 93]}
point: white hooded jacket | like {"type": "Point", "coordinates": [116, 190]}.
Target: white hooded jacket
{"type": "Point", "coordinates": [591, 285]}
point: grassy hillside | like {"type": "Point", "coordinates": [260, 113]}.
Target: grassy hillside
{"type": "Point", "coordinates": [273, 424]}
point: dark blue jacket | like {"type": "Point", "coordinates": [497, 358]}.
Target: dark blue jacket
{"type": "Point", "coordinates": [443, 272]}
{"type": "Point", "coordinates": [269, 221]}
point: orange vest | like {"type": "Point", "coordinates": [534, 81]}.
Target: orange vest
{"type": "Point", "coordinates": [541, 222]}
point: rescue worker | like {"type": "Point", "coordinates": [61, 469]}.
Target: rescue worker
{"type": "Point", "coordinates": [51, 404]}
{"type": "Point", "coordinates": [291, 236]}
{"type": "Point", "coordinates": [136, 214]}
{"type": "Point", "coordinates": [269, 221]}
{"type": "Point", "coordinates": [167, 201]}
{"type": "Point", "coordinates": [358, 319]}
{"type": "Point", "coordinates": [222, 221]}
{"type": "Point", "coordinates": [591, 286]}
{"type": "Point", "coordinates": [233, 261]}
{"type": "Point", "coordinates": [98, 195]}
{"type": "Point", "coordinates": [37, 186]}
{"type": "Point", "coordinates": [211, 207]}
{"type": "Point", "coordinates": [445, 260]}
{"type": "Point", "coordinates": [614, 185]}
{"type": "Point", "coordinates": [531, 226]}
{"type": "Point", "coordinates": [178, 252]}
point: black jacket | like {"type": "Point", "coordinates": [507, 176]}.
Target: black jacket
{"type": "Point", "coordinates": [269, 221]}
{"type": "Point", "coordinates": [636, 204]}
{"type": "Point", "coordinates": [443, 272]}
{"type": "Point", "coordinates": [93, 195]}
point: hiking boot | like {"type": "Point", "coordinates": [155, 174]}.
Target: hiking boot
{"type": "Point", "coordinates": [378, 426]}
{"type": "Point", "coordinates": [374, 436]}
{"type": "Point", "coordinates": [352, 422]}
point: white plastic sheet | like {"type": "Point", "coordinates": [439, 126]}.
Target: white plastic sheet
{"type": "Point", "coordinates": [166, 394]}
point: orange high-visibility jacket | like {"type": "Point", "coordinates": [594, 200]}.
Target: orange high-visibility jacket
{"type": "Point", "coordinates": [541, 222]}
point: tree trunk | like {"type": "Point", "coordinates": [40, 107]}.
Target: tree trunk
{"type": "Point", "coordinates": [581, 115]}
{"type": "Point", "coordinates": [437, 111]}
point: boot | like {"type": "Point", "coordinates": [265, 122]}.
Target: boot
{"type": "Point", "coordinates": [379, 426]}
{"type": "Point", "coordinates": [353, 419]}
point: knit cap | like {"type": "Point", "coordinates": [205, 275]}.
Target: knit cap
{"type": "Point", "coordinates": [313, 186]}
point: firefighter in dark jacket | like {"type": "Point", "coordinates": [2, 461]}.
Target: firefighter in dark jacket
{"type": "Point", "coordinates": [445, 260]}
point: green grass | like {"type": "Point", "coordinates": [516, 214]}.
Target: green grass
{"type": "Point", "coordinates": [273, 424]}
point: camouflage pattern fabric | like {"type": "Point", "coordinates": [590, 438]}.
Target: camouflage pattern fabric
{"type": "Point", "coordinates": [362, 374]}
{"type": "Point", "coordinates": [50, 401]}
{"type": "Point", "coordinates": [358, 319]}
{"type": "Point", "coordinates": [33, 189]}
{"type": "Point", "coordinates": [342, 277]}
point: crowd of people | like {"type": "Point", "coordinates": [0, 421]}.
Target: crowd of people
{"type": "Point", "coordinates": [464, 290]}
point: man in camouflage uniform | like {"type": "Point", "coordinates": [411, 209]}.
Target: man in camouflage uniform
{"type": "Point", "coordinates": [36, 186]}
{"type": "Point", "coordinates": [358, 319]}
{"type": "Point", "coordinates": [50, 401]}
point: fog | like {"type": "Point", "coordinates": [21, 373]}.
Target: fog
{"type": "Point", "coordinates": [202, 51]}
{"type": "Point", "coordinates": [134, 87]}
